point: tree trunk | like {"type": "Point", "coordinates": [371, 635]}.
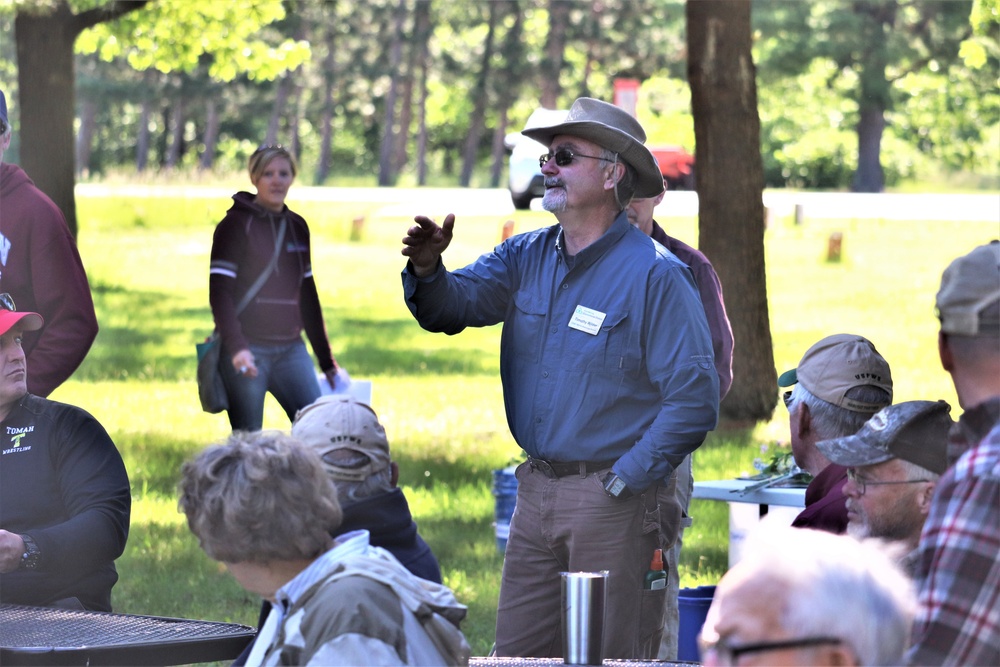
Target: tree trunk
{"type": "Point", "coordinates": [211, 136]}
{"type": "Point", "coordinates": [295, 120]}
{"type": "Point", "coordinates": [869, 177]}
{"type": "Point", "coordinates": [325, 162]}
{"type": "Point", "coordinates": [278, 109]}
{"type": "Point", "coordinates": [593, 41]}
{"type": "Point", "coordinates": [386, 175]}
{"type": "Point", "coordinates": [555, 47]}
{"type": "Point", "coordinates": [176, 149]}
{"type": "Point", "coordinates": [422, 31]}
{"type": "Point", "coordinates": [480, 97]}
{"type": "Point", "coordinates": [399, 154]}
{"type": "Point", "coordinates": [878, 19]}
{"type": "Point", "coordinates": [142, 136]}
{"type": "Point", "coordinates": [730, 186]}
{"type": "Point", "coordinates": [45, 78]}
{"type": "Point", "coordinates": [509, 80]}
{"type": "Point", "coordinates": [498, 149]}
{"type": "Point", "coordinates": [85, 137]}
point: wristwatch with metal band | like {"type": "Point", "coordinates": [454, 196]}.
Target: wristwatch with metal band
{"type": "Point", "coordinates": [31, 555]}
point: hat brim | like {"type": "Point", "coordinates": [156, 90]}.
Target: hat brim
{"type": "Point", "coordinates": [27, 321]}
{"type": "Point", "coordinates": [649, 179]}
{"type": "Point", "coordinates": [788, 378]}
{"type": "Point", "coordinates": [852, 452]}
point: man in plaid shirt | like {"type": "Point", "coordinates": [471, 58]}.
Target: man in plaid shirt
{"type": "Point", "coordinates": [958, 622]}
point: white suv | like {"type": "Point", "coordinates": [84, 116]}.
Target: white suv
{"type": "Point", "coordinates": [524, 175]}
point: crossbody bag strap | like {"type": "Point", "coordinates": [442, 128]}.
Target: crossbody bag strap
{"type": "Point", "coordinates": [266, 273]}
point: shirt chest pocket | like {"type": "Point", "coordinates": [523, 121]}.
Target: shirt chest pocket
{"type": "Point", "coordinates": [524, 326]}
{"type": "Point", "coordinates": [613, 349]}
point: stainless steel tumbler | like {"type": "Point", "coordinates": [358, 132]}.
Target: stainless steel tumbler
{"type": "Point", "coordinates": [583, 600]}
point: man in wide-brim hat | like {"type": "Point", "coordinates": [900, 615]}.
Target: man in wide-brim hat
{"type": "Point", "coordinates": [608, 377]}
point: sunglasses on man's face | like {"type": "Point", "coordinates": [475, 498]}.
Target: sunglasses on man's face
{"type": "Point", "coordinates": [7, 302]}
{"type": "Point", "coordinates": [563, 157]}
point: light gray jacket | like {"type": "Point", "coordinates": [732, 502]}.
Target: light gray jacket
{"type": "Point", "coordinates": [357, 605]}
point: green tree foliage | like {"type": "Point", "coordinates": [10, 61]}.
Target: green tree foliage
{"type": "Point", "coordinates": [978, 49]}
{"type": "Point", "coordinates": [828, 68]}
{"type": "Point", "coordinates": [168, 34]}
{"type": "Point", "coordinates": [317, 72]}
{"type": "Point", "coordinates": [174, 36]}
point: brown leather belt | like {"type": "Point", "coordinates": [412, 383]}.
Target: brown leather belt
{"type": "Point", "coordinates": [555, 469]}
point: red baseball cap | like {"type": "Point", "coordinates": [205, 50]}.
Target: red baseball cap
{"type": "Point", "coordinates": [11, 318]}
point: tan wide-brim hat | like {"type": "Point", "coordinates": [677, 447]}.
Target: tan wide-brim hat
{"type": "Point", "coordinates": [612, 128]}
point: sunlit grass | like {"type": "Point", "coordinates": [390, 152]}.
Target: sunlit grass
{"type": "Point", "coordinates": [438, 396]}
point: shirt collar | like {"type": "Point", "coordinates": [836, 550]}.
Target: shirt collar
{"type": "Point", "coordinates": [344, 546]}
{"type": "Point", "coordinates": [595, 250]}
{"type": "Point", "coordinates": [974, 424]}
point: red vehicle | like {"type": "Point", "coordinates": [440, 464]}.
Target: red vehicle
{"type": "Point", "coordinates": [676, 165]}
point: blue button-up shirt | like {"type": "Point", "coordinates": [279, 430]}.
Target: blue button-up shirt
{"type": "Point", "coordinates": [638, 387]}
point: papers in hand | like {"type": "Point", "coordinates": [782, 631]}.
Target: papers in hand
{"type": "Point", "coordinates": [360, 390]}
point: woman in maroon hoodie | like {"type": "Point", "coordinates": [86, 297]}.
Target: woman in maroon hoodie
{"type": "Point", "coordinates": [263, 295]}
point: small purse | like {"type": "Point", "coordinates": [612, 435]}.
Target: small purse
{"type": "Point", "coordinates": [211, 388]}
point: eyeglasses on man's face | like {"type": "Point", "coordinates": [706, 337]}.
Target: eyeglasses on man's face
{"type": "Point", "coordinates": [727, 654]}
{"type": "Point", "coordinates": [563, 157]}
{"type": "Point", "coordinates": [863, 484]}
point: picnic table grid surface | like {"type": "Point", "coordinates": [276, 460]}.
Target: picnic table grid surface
{"type": "Point", "coordinates": [101, 628]}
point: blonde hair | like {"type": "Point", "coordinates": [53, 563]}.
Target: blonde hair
{"type": "Point", "coordinates": [264, 155]}
{"type": "Point", "coordinates": [259, 497]}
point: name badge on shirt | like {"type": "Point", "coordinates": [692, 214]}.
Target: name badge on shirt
{"type": "Point", "coordinates": [587, 320]}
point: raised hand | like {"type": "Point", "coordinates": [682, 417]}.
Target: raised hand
{"type": "Point", "coordinates": [425, 241]}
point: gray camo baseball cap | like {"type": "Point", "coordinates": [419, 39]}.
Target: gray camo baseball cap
{"type": "Point", "coordinates": [915, 431]}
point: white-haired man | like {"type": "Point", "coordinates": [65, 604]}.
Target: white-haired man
{"type": "Point", "coordinates": [808, 597]}
{"type": "Point", "coordinates": [841, 381]}
{"type": "Point", "coordinates": [608, 375]}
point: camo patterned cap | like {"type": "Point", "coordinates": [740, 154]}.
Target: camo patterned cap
{"type": "Point", "coordinates": [915, 431]}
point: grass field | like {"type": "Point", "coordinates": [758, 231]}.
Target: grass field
{"type": "Point", "coordinates": [439, 397]}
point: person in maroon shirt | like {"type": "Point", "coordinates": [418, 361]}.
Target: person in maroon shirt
{"type": "Point", "coordinates": [640, 214]}
{"type": "Point", "coordinates": [838, 385]}
{"type": "Point", "coordinates": [40, 267]}
{"type": "Point", "coordinates": [262, 347]}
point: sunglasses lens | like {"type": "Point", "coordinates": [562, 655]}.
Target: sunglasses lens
{"type": "Point", "coordinates": [564, 158]}
{"type": "Point", "coordinates": [7, 302]}
{"type": "Point", "coordinates": [542, 159]}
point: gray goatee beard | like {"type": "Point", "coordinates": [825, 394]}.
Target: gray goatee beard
{"type": "Point", "coordinates": [554, 200]}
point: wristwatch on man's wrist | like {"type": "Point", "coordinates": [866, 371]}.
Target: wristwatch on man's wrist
{"type": "Point", "coordinates": [31, 555]}
{"type": "Point", "coordinates": [615, 486]}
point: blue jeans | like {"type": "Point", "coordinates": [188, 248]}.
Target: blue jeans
{"type": "Point", "coordinates": [286, 371]}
